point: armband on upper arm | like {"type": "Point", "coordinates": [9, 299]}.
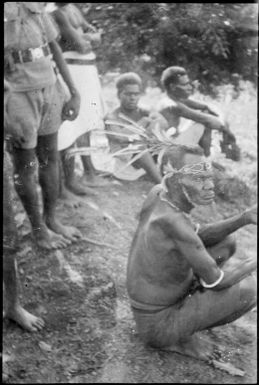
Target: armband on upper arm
{"type": "Point", "coordinates": [211, 285]}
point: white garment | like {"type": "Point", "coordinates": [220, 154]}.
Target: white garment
{"type": "Point", "coordinates": [92, 108]}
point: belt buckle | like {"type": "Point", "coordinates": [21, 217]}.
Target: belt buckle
{"type": "Point", "coordinates": [37, 53]}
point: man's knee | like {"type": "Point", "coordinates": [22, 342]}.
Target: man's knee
{"type": "Point", "coordinates": [248, 290]}
{"type": "Point", "coordinates": [47, 150]}
{"type": "Point", "coordinates": [25, 179]}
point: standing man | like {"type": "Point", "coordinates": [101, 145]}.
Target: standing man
{"type": "Point", "coordinates": [178, 88]}
{"type": "Point", "coordinates": [35, 110]}
{"type": "Point", "coordinates": [77, 37]}
{"type": "Point", "coordinates": [183, 278]}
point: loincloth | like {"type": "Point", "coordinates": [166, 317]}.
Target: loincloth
{"type": "Point", "coordinates": [200, 309]}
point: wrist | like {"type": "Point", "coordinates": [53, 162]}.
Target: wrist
{"type": "Point", "coordinates": [74, 93]}
{"type": "Point", "coordinates": [246, 218]}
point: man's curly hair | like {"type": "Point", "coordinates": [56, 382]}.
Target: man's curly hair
{"type": "Point", "coordinates": [128, 78]}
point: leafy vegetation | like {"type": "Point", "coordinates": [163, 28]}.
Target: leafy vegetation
{"type": "Point", "coordinates": [216, 42]}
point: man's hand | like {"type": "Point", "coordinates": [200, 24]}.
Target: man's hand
{"type": "Point", "coordinates": [15, 135]}
{"type": "Point", "coordinates": [145, 121]}
{"type": "Point", "coordinates": [85, 46]}
{"type": "Point", "coordinates": [251, 215]}
{"type": "Point", "coordinates": [93, 37]}
{"type": "Point", "coordinates": [71, 108]}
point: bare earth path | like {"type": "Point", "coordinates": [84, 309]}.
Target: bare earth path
{"type": "Point", "coordinates": [80, 292]}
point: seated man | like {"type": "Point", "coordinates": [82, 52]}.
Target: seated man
{"type": "Point", "coordinates": [129, 90]}
{"type": "Point", "coordinates": [180, 278]}
{"type": "Point", "coordinates": [178, 89]}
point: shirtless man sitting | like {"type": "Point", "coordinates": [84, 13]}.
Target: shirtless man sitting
{"type": "Point", "coordinates": [129, 90]}
{"type": "Point", "coordinates": [178, 88]}
{"type": "Point", "coordinates": [181, 279]}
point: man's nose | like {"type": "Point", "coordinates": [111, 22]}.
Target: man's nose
{"type": "Point", "coordinates": [209, 184]}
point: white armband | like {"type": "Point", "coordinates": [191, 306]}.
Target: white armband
{"type": "Point", "coordinates": [209, 286]}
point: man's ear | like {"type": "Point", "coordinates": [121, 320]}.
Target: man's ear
{"type": "Point", "coordinates": [171, 87]}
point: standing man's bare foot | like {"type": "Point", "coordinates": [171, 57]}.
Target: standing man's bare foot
{"type": "Point", "coordinates": [25, 319]}
{"type": "Point", "coordinates": [69, 199]}
{"type": "Point", "coordinates": [196, 346]}
{"type": "Point", "coordinates": [69, 232]}
{"type": "Point", "coordinates": [95, 181]}
{"type": "Point", "coordinates": [49, 240]}
{"type": "Point", "coordinates": [78, 189]}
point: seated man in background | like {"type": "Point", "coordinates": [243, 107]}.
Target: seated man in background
{"type": "Point", "coordinates": [178, 88]}
{"type": "Point", "coordinates": [181, 278]}
{"type": "Point", "coordinates": [129, 90]}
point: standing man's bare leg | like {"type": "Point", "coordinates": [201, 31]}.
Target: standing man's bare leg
{"type": "Point", "coordinates": [70, 182]}
{"type": "Point", "coordinates": [14, 310]}
{"type": "Point", "coordinates": [91, 178]}
{"type": "Point", "coordinates": [25, 181]}
{"type": "Point", "coordinates": [49, 180]}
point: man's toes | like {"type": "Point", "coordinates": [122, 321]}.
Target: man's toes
{"type": "Point", "coordinates": [77, 234]}
{"type": "Point", "coordinates": [62, 243]}
{"type": "Point", "coordinates": [39, 323]}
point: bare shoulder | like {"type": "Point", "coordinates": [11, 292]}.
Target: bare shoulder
{"type": "Point", "coordinates": [112, 115]}
{"type": "Point", "coordinates": [60, 16]}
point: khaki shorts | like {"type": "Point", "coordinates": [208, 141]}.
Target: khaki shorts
{"type": "Point", "coordinates": [10, 233]}
{"type": "Point", "coordinates": [36, 112]}
{"type": "Point", "coordinates": [198, 311]}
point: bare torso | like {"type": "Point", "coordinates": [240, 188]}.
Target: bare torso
{"type": "Point", "coordinates": [157, 272]}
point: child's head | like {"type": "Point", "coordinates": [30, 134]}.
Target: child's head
{"type": "Point", "coordinates": [129, 87]}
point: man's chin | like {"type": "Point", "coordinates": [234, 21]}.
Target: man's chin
{"type": "Point", "coordinates": [131, 107]}
{"type": "Point", "coordinates": [206, 202]}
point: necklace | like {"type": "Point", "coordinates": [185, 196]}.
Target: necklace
{"type": "Point", "coordinates": [188, 216]}
{"type": "Point", "coordinates": [174, 206]}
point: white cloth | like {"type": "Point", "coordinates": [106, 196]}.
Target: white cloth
{"type": "Point", "coordinates": [92, 109]}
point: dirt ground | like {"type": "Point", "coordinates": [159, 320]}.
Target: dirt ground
{"type": "Point", "coordinates": [80, 292]}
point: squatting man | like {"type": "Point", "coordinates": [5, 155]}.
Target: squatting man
{"type": "Point", "coordinates": [183, 278]}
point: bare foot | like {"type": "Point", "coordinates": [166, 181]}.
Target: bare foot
{"type": "Point", "coordinates": [25, 319]}
{"type": "Point", "coordinates": [69, 232]}
{"type": "Point", "coordinates": [95, 181]}
{"type": "Point", "coordinates": [70, 199]}
{"type": "Point", "coordinates": [196, 346]}
{"type": "Point", "coordinates": [78, 189]}
{"type": "Point", "coordinates": [49, 240]}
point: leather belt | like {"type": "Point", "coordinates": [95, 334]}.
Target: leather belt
{"type": "Point", "coordinates": [80, 61]}
{"type": "Point", "coordinates": [31, 54]}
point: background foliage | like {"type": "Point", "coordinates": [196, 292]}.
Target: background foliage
{"type": "Point", "coordinates": [216, 42]}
